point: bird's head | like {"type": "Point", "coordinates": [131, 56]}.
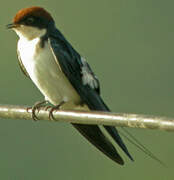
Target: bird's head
{"type": "Point", "coordinates": [31, 22]}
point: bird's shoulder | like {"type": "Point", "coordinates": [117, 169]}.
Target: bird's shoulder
{"type": "Point", "coordinates": [72, 63]}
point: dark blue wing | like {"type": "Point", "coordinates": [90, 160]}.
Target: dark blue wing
{"type": "Point", "coordinates": [86, 84]}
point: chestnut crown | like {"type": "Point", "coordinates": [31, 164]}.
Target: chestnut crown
{"type": "Point", "coordinates": [33, 16]}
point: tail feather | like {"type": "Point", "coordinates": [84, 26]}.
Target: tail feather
{"type": "Point", "coordinates": [93, 132]}
{"type": "Point", "coordinates": [99, 105]}
{"type": "Point", "coordinates": [97, 138]}
{"type": "Point", "coordinates": [114, 133]}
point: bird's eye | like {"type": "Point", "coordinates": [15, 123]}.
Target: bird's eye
{"type": "Point", "coordinates": [29, 20]}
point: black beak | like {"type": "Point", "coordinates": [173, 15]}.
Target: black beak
{"type": "Point", "coordinates": [10, 26]}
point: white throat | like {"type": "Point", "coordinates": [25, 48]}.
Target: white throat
{"type": "Point", "coordinates": [29, 32]}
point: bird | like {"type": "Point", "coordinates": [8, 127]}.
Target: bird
{"type": "Point", "coordinates": [62, 75]}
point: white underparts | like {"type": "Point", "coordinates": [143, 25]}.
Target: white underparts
{"type": "Point", "coordinates": [45, 72]}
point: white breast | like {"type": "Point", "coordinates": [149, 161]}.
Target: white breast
{"type": "Point", "coordinates": [45, 72]}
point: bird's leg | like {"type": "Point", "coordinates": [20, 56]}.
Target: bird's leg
{"type": "Point", "coordinates": [57, 107]}
{"type": "Point", "coordinates": [35, 107]}
{"type": "Point", "coordinates": [47, 107]}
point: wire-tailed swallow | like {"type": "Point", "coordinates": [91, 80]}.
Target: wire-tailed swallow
{"type": "Point", "coordinates": [62, 74]}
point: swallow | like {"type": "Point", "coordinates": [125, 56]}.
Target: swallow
{"type": "Point", "coordinates": [61, 74]}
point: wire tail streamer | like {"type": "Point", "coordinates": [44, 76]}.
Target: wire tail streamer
{"type": "Point", "coordinates": [140, 146]}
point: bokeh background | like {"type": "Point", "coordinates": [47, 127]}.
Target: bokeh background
{"type": "Point", "coordinates": [129, 44]}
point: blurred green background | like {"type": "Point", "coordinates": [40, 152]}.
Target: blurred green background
{"type": "Point", "coordinates": [129, 45]}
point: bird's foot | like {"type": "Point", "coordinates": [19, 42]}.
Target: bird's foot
{"type": "Point", "coordinates": [57, 107]}
{"type": "Point", "coordinates": [37, 107]}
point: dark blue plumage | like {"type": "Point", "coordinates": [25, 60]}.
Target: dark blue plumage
{"type": "Point", "coordinates": [71, 64]}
